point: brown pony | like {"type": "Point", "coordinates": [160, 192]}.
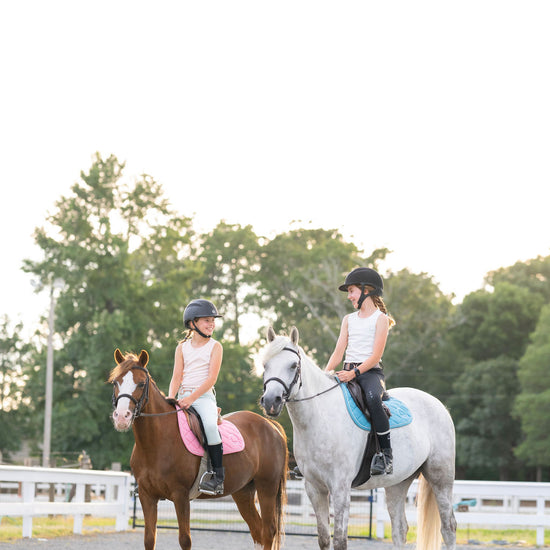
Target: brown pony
{"type": "Point", "coordinates": [165, 469]}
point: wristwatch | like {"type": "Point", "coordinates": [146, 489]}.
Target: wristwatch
{"type": "Point", "coordinates": [356, 371]}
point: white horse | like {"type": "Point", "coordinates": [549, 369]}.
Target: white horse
{"type": "Point", "coordinates": [329, 446]}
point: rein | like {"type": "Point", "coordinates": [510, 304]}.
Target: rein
{"type": "Point", "coordinates": [297, 377]}
{"type": "Point", "coordinates": [139, 404]}
{"type": "Point", "coordinates": [312, 396]}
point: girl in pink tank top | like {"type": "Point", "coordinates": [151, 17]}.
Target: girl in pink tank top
{"type": "Point", "coordinates": [197, 363]}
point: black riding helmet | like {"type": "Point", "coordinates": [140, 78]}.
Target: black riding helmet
{"type": "Point", "coordinates": [198, 308]}
{"type": "Point", "coordinates": [362, 277]}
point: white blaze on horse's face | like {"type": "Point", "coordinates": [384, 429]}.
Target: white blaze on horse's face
{"type": "Point", "coordinates": [122, 415]}
{"type": "Point", "coordinates": [281, 373]}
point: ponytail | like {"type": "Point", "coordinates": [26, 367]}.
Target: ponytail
{"type": "Point", "coordinates": [379, 303]}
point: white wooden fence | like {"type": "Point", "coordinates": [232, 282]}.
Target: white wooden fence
{"type": "Point", "coordinates": [114, 501]}
{"type": "Point", "coordinates": [484, 503]}
{"type": "Point", "coordinates": [487, 503]}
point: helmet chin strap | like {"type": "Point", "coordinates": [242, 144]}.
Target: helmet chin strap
{"type": "Point", "coordinates": [199, 331]}
{"type": "Point", "coordinates": [364, 296]}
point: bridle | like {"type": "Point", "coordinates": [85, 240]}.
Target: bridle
{"type": "Point", "coordinates": [139, 404]}
{"type": "Point", "coordinates": [297, 377]}
{"type": "Point", "coordinates": [142, 401]}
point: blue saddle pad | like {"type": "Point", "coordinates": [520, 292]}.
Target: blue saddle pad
{"type": "Point", "coordinates": [400, 413]}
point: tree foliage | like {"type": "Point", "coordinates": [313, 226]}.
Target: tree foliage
{"type": "Point", "coordinates": [13, 353]}
{"type": "Point", "coordinates": [299, 276]}
{"type": "Point", "coordinates": [482, 409]}
{"type": "Point", "coordinates": [126, 261]}
{"type": "Point", "coordinates": [533, 402]}
{"type": "Point", "coordinates": [230, 261]}
{"type": "Point", "coordinates": [130, 264]}
{"type": "Point", "coordinates": [419, 353]}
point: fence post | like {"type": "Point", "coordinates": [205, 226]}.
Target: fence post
{"type": "Point", "coordinates": [28, 491]}
{"type": "Point", "coordinates": [380, 510]}
{"type": "Point", "coordinates": [540, 527]}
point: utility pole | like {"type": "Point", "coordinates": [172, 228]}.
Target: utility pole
{"type": "Point", "coordinates": [46, 451]}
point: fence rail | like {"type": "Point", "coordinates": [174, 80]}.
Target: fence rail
{"type": "Point", "coordinates": [487, 503]}
{"type": "Point", "coordinates": [24, 492]}
{"type": "Point", "coordinates": [29, 500]}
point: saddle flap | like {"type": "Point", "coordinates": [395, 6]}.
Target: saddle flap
{"type": "Point", "coordinates": [232, 438]}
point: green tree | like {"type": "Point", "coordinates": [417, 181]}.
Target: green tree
{"type": "Point", "coordinates": [14, 353]}
{"type": "Point", "coordinates": [237, 386]}
{"type": "Point", "coordinates": [419, 352]}
{"type": "Point", "coordinates": [486, 429]}
{"type": "Point", "coordinates": [533, 275]}
{"type": "Point", "coordinates": [533, 403]}
{"type": "Point", "coordinates": [491, 330]}
{"type": "Point", "coordinates": [491, 324]}
{"type": "Point", "coordinates": [230, 262]}
{"type": "Point", "coordinates": [127, 263]}
{"type": "Point", "coordinates": [299, 277]}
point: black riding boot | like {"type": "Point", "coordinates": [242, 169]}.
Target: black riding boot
{"type": "Point", "coordinates": [382, 462]}
{"type": "Point", "coordinates": [211, 483]}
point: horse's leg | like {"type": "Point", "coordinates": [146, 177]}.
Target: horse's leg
{"type": "Point", "coordinates": [341, 501]}
{"type": "Point", "coordinates": [441, 481]}
{"type": "Point", "coordinates": [270, 496]}
{"type": "Point", "coordinates": [396, 496]}
{"type": "Point", "coordinates": [149, 507]}
{"type": "Point", "coordinates": [320, 502]}
{"type": "Point", "coordinates": [183, 513]}
{"type": "Point", "coordinates": [244, 499]}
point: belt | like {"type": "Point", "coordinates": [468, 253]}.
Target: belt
{"type": "Point", "coordinates": [351, 366]}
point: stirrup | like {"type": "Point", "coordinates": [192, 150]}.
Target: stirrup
{"type": "Point", "coordinates": [382, 463]}
{"type": "Point", "coordinates": [210, 485]}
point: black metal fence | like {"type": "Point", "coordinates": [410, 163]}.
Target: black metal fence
{"type": "Point", "coordinates": [221, 514]}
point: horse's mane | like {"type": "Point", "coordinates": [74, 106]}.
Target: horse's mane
{"type": "Point", "coordinates": [268, 351]}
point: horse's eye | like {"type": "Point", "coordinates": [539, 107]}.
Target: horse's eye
{"type": "Point", "coordinates": [295, 365]}
{"type": "Point", "coordinates": [141, 385]}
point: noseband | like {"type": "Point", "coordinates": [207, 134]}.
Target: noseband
{"type": "Point", "coordinates": [144, 396]}
{"type": "Point", "coordinates": [297, 376]}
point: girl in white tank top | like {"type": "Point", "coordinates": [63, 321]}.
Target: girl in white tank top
{"type": "Point", "coordinates": [362, 339]}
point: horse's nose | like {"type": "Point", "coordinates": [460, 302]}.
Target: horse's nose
{"type": "Point", "coordinates": [272, 404]}
{"type": "Point", "coordinates": [126, 415]}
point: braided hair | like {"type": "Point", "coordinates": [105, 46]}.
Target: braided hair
{"type": "Point", "coordinates": [379, 303]}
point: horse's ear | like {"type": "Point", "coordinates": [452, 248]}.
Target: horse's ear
{"type": "Point", "coordinates": [119, 358]}
{"type": "Point", "coordinates": [270, 334]}
{"type": "Point", "coordinates": [294, 335]}
{"type": "Point", "coordinates": [143, 358]}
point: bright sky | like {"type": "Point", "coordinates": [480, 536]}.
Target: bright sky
{"type": "Point", "coordinates": [419, 126]}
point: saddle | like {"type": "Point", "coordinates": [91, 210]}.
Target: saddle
{"type": "Point", "coordinates": [358, 395]}
{"type": "Point", "coordinates": [372, 447]}
{"type": "Point", "coordinates": [194, 438]}
{"type": "Point", "coordinates": [195, 425]}
{"type": "Point", "coordinates": [398, 413]}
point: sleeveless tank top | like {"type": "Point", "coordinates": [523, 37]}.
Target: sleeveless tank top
{"type": "Point", "coordinates": [361, 333]}
{"type": "Point", "coordinates": [196, 363]}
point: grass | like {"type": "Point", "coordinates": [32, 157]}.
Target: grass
{"type": "Point", "coordinates": [49, 527]}
{"type": "Point", "coordinates": [58, 526]}
{"type": "Point", "coordinates": [512, 537]}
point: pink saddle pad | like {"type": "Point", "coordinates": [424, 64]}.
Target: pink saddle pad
{"type": "Point", "coordinates": [232, 439]}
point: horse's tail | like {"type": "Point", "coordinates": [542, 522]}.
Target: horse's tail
{"type": "Point", "coordinates": [280, 501]}
{"type": "Point", "coordinates": [428, 535]}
